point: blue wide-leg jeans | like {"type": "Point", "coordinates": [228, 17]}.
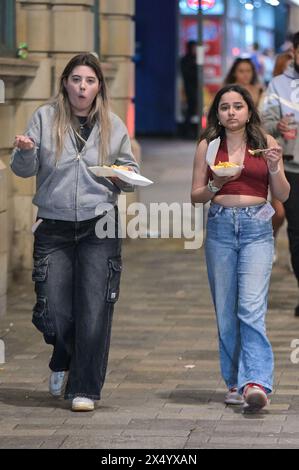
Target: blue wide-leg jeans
{"type": "Point", "coordinates": [239, 252]}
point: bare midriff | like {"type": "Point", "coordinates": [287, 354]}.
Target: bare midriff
{"type": "Point", "coordinates": [241, 200]}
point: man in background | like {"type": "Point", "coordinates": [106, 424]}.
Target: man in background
{"type": "Point", "coordinates": [281, 119]}
{"type": "Point", "coordinates": [189, 74]}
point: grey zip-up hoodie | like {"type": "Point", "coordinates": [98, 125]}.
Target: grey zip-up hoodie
{"type": "Point", "coordinates": [282, 98]}
{"type": "Point", "coordinates": [68, 190]}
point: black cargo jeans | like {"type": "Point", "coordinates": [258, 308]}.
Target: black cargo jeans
{"type": "Point", "coordinates": [77, 278]}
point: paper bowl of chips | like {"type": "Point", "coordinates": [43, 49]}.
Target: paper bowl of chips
{"type": "Point", "coordinates": [226, 169]}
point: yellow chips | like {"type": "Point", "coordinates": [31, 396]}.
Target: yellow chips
{"type": "Point", "coordinates": [225, 165]}
{"type": "Point", "coordinates": [117, 167]}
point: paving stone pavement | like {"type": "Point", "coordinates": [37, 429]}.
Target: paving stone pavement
{"type": "Point", "coordinates": [163, 387]}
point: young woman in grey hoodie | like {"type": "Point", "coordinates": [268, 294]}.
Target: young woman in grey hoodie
{"type": "Point", "coordinates": [77, 265]}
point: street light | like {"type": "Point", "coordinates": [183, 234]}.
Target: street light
{"type": "Point", "coordinates": [249, 5]}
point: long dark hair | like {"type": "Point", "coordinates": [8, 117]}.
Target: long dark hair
{"type": "Point", "coordinates": [231, 76]}
{"type": "Point", "coordinates": [255, 136]}
{"type": "Point", "coordinates": [99, 111]}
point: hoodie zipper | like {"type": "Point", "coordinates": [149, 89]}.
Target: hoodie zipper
{"type": "Point", "coordinates": [77, 184]}
{"type": "Point", "coordinates": [77, 160]}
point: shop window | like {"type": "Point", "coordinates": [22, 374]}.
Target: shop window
{"type": "Point", "coordinates": [265, 38]}
{"type": "Point", "coordinates": [7, 28]}
{"type": "Point", "coordinates": [209, 7]}
{"type": "Point", "coordinates": [265, 16]}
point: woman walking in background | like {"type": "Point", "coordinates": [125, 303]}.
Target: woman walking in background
{"type": "Point", "coordinates": [243, 73]}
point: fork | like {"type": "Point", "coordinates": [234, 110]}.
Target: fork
{"type": "Point", "coordinates": [256, 151]}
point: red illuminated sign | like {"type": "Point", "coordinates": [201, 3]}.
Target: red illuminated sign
{"type": "Point", "coordinates": [205, 4]}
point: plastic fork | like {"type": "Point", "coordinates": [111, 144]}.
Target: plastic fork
{"type": "Point", "coordinates": [256, 151]}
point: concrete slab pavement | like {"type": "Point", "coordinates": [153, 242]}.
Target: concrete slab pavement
{"type": "Point", "coordinates": [163, 387]}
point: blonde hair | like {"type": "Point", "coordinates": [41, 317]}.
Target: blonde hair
{"type": "Point", "coordinates": [64, 119]}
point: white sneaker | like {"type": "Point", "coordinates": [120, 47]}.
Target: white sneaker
{"type": "Point", "coordinates": [233, 397]}
{"type": "Point", "coordinates": [82, 404]}
{"type": "Point", "coordinates": [57, 383]}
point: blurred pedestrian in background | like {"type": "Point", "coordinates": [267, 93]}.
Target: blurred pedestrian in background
{"type": "Point", "coordinates": [243, 73]}
{"type": "Point", "coordinates": [189, 75]}
{"type": "Point", "coordinates": [256, 59]}
{"type": "Point", "coordinates": [282, 61]}
{"type": "Point", "coordinates": [281, 118]}
{"type": "Point", "coordinates": [267, 59]}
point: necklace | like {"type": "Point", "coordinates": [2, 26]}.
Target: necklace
{"type": "Point", "coordinates": [82, 132]}
{"type": "Point", "coordinates": [82, 122]}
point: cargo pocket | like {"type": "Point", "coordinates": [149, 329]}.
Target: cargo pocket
{"type": "Point", "coordinates": [114, 273]}
{"type": "Point", "coordinates": [41, 317]}
{"type": "Point", "coordinates": [40, 269]}
{"type": "Point", "coordinates": [42, 321]}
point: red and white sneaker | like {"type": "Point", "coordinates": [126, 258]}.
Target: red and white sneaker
{"type": "Point", "coordinates": [255, 397]}
{"type": "Point", "coordinates": [233, 397]}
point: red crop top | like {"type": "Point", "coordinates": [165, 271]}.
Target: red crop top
{"type": "Point", "coordinates": [253, 180]}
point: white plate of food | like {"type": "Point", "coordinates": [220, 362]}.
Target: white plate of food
{"type": "Point", "coordinates": [122, 173]}
{"type": "Point", "coordinates": [226, 169]}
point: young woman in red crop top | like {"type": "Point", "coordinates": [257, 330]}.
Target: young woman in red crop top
{"type": "Point", "coordinates": [239, 241]}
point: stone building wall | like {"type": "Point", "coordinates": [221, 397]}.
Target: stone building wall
{"type": "Point", "coordinates": [54, 30]}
